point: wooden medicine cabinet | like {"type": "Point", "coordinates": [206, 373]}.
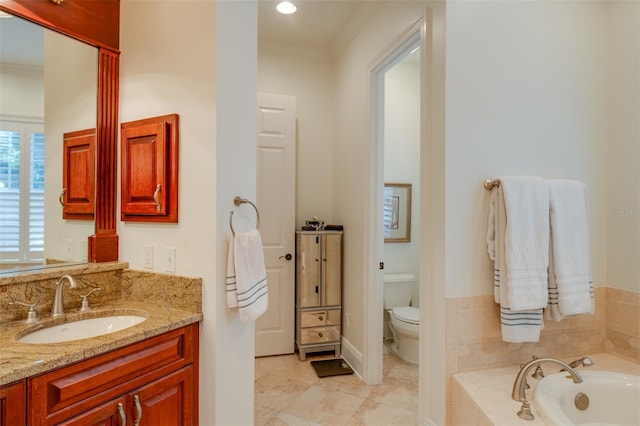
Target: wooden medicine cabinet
{"type": "Point", "coordinates": [149, 169]}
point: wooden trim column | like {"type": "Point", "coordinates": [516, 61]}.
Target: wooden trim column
{"type": "Point", "coordinates": [103, 246]}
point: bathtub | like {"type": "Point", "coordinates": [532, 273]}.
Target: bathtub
{"type": "Point", "coordinates": [613, 399]}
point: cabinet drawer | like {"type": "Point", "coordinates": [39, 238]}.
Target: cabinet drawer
{"type": "Point", "coordinates": [320, 318]}
{"type": "Point", "coordinates": [320, 335]}
{"type": "Point", "coordinates": [70, 390]}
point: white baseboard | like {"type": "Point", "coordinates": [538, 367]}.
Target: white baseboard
{"type": "Point", "coordinates": [353, 357]}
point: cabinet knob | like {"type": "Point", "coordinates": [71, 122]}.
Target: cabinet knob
{"type": "Point", "coordinates": [320, 334]}
{"type": "Point", "coordinates": [320, 319]}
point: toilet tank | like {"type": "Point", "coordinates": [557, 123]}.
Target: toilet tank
{"type": "Point", "coordinates": [398, 289]}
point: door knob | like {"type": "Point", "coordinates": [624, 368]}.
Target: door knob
{"type": "Point", "coordinates": [286, 256]}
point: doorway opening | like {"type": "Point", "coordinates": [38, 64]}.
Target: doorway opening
{"type": "Point", "coordinates": [391, 138]}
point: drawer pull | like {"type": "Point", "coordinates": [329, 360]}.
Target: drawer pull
{"type": "Point", "coordinates": [320, 334]}
{"type": "Point", "coordinates": [123, 416]}
{"type": "Point", "coordinates": [136, 401]}
{"type": "Point", "coordinates": [320, 319]}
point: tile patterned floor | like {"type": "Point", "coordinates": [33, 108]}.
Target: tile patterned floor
{"type": "Point", "coordinates": [288, 392]}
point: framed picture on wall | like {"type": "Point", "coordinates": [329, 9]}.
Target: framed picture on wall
{"type": "Point", "coordinates": [397, 212]}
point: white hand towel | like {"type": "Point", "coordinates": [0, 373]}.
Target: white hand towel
{"type": "Point", "coordinates": [517, 324]}
{"type": "Point", "coordinates": [231, 289]}
{"type": "Point", "coordinates": [251, 277]}
{"type": "Point", "coordinates": [526, 241]}
{"type": "Point", "coordinates": [570, 284]}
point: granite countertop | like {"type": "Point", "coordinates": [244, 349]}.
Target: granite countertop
{"type": "Point", "coordinates": [21, 360]}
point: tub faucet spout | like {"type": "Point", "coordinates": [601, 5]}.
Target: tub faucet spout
{"type": "Point", "coordinates": [58, 305]}
{"type": "Point", "coordinates": [519, 385]}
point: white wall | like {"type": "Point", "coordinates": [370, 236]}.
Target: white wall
{"type": "Point", "coordinates": [177, 57]}
{"type": "Point", "coordinates": [622, 208]}
{"type": "Point", "coordinates": [402, 160]}
{"type": "Point", "coordinates": [526, 95]}
{"type": "Point", "coordinates": [22, 88]}
{"type": "Point", "coordinates": [307, 75]}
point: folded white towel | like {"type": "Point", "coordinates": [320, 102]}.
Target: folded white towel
{"type": "Point", "coordinates": [526, 241]}
{"type": "Point", "coordinates": [570, 284]}
{"type": "Point", "coordinates": [250, 294]}
{"type": "Point", "coordinates": [515, 237]}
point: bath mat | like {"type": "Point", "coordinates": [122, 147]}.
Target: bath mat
{"type": "Point", "coordinates": [331, 367]}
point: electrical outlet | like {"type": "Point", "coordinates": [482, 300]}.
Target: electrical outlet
{"type": "Point", "coordinates": [70, 249]}
{"type": "Point", "coordinates": [171, 259]}
{"type": "Point", "coordinates": [148, 256]}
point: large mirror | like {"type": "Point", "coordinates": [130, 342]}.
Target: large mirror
{"type": "Point", "coordinates": [98, 28]}
{"type": "Point", "coordinates": [48, 87]}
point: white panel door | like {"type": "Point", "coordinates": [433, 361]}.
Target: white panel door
{"type": "Point", "coordinates": [276, 198]}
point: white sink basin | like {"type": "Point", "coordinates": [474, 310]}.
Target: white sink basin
{"type": "Point", "coordinates": [82, 329]}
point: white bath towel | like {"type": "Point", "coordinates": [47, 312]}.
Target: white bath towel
{"type": "Point", "coordinates": [570, 284]}
{"type": "Point", "coordinates": [526, 241]}
{"type": "Point", "coordinates": [250, 294]}
{"type": "Point", "coordinates": [518, 242]}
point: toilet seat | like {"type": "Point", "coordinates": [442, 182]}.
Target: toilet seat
{"type": "Point", "coordinates": [407, 314]}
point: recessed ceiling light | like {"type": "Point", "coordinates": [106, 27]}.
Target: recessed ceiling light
{"type": "Point", "coordinates": [286, 7]}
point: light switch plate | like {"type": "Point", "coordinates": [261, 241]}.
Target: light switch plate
{"type": "Point", "coordinates": [171, 259]}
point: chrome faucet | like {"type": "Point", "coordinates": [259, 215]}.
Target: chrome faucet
{"type": "Point", "coordinates": [584, 361]}
{"type": "Point", "coordinates": [58, 306]}
{"type": "Point", "coordinates": [519, 385]}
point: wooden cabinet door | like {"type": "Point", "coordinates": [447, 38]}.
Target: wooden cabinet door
{"type": "Point", "coordinates": [78, 175]}
{"type": "Point", "coordinates": [112, 413]}
{"type": "Point", "coordinates": [166, 401]}
{"type": "Point", "coordinates": [13, 405]}
{"type": "Point", "coordinates": [149, 170]}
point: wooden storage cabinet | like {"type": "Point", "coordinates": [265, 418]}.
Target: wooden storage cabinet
{"type": "Point", "coordinates": [149, 169]}
{"type": "Point", "coordinates": [13, 404]}
{"type": "Point", "coordinates": [78, 175]}
{"type": "Point", "coordinates": [318, 291]}
{"type": "Point", "coordinates": [147, 383]}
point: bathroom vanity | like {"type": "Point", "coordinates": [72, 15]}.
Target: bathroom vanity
{"type": "Point", "coordinates": [147, 372]}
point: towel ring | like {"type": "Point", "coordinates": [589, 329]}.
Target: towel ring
{"type": "Point", "coordinates": [237, 201]}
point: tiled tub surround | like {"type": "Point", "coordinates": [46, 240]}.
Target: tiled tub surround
{"type": "Point", "coordinates": [167, 301]}
{"type": "Point", "coordinates": [484, 397]}
{"type": "Point", "coordinates": [474, 339]}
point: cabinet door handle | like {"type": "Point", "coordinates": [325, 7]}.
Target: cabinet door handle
{"type": "Point", "coordinates": [61, 198]}
{"type": "Point", "coordinates": [123, 415]}
{"type": "Point", "coordinates": [155, 197]}
{"type": "Point", "coordinates": [136, 401]}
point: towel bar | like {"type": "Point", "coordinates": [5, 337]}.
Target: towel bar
{"type": "Point", "coordinates": [237, 201]}
{"type": "Point", "coordinates": [489, 184]}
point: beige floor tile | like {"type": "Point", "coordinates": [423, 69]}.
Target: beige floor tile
{"type": "Point", "coordinates": [327, 407]}
{"type": "Point", "coordinates": [288, 392]}
{"type": "Point", "coordinates": [373, 413]}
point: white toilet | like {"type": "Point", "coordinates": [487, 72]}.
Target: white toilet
{"type": "Point", "coordinates": [405, 319]}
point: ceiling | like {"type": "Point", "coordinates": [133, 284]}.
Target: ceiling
{"type": "Point", "coordinates": [316, 23]}
{"type": "Point", "coordinates": [21, 42]}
